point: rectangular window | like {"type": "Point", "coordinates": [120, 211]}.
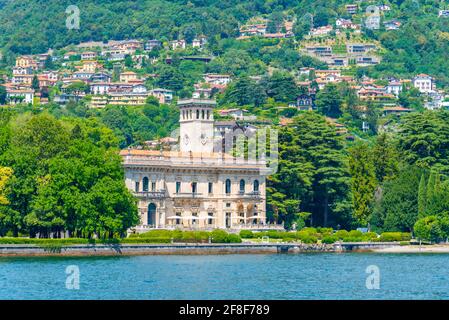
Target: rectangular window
{"type": "Point", "coordinates": [153, 186]}
{"type": "Point", "coordinates": [210, 220]}
{"type": "Point", "coordinates": [137, 186]}
{"type": "Point", "coordinates": [178, 187]}
{"type": "Point", "coordinates": [178, 221]}
{"type": "Point", "coordinates": [210, 189]}
{"type": "Point", "coordinates": [194, 187]}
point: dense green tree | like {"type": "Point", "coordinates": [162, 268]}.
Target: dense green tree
{"type": "Point", "coordinates": [363, 181]}
{"type": "Point", "coordinates": [386, 158]}
{"type": "Point", "coordinates": [67, 177]}
{"type": "Point", "coordinates": [2, 94]}
{"type": "Point", "coordinates": [244, 91]}
{"type": "Point", "coordinates": [429, 229]}
{"type": "Point", "coordinates": [281, 87]}
{"type": "Point", "coordinates": [35, 83]}
{"type": "Point", "coordinates": [329, 101]}
{"type": "Point", "coordinates": [5, 175]}
{"type": "Point", "coordinates": [49, 64]}
{"type": "Point", "coordinates": [397, 204]}
{"type": "Point", "coordinates": [424, 139]}
{"type": "Point", "coordinates": [314, 158]}
{"type": "Point", "coordinates": [170, 78]}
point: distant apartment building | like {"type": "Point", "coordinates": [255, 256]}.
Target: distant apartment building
{"type": "Point", "coordinates": [26, 62]}
{"type": "Point", "coordinates": [88, 55]}
{"type": "Point", "coordinates": [321, 51]}
{"type": "Point", "coordinates": [163, 95]}
{"type": "Point", "coordinates": [152, 44]}
{"type": "Point", "coordinates": [15, 96]}
{"type": "Point", "coordinates": [26, 79]}
{"type": "Point", "coordinates": [128, 76]}
{"type": "Point", "coordinates": [367, 60]}
{"type": "Point", "coordinates": [359, 48]}
{"type": "Point", "coordinates": [22, 70]}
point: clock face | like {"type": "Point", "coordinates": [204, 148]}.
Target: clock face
{"type": "Point", "coordinates": [186, 139]}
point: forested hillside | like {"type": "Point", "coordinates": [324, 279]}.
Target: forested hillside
{"type": "Point", "coordinates": [33, 26]}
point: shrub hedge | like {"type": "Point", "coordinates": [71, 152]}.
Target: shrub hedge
{"type": "Point", "coordinates": [395, 236]}
{"type": "Point", "coordinates": [327, 235]}
{"type": "Point", "coordinates": [306, 235]}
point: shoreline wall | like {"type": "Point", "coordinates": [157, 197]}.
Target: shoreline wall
{"type": "Point", "coordinates": [184, 249]}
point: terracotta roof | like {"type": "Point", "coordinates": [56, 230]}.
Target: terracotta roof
{"type": "Point", "coordinates": [397, 108]}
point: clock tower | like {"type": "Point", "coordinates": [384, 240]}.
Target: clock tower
{"type": "Point", "coordinates": [196, 121]}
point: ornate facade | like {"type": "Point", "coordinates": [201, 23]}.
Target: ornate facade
{"type": "Point", "coordinates": [199, 185]}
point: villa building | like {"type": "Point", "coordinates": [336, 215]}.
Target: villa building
{"type": "Point", "coordinates": [198, 184]}
{"type": "Point", "coordinates": [424, 83]}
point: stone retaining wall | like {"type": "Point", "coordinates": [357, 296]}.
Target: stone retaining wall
{"type": "Point", "coordinates": [178, 249]}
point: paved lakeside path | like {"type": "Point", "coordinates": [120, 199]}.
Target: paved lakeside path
{"type": "Point", "coordinates": [436, 248]}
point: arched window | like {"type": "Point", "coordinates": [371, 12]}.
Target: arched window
{"type": "Point", "coordinates": [145, 184]}
{"type": "Point", "coordinates": [197, 114]}
{"type": "Point", "coordinates": [202, 114]}
{"type": "Point", "coordinates": [256, 185]}
{"type": "Point", "coordinates": [208, 114]}
{"type": "Point", "coordinates": [228, 186]}
{"type": "Point", "coordinates": [242, 186]}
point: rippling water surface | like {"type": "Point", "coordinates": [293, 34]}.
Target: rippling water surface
{"type": "Point", "coordinates": [277, 276]}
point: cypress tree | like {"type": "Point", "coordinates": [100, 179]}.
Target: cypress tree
{"type": "Point", "coordinates": [430, 189]}
{"type": "Point", "coordinates": [363, 182]}
{"type": "Point", "coordinates": [422, 197]}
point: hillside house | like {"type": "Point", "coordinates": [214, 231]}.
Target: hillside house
{"type": "Point", "coordinates": [398, 110]}
{"type": "Point", "coordinates": [88, 55]}
{"type": "Point", "coordinates": [163, 95]}
{"type": "Point", "coordinates": [128, 76]}
{"type": "Point", "coordinates": [392, 25]}
{"type": "Point", "coordinates": [394, 87]}
{"type": "Point", "coordinates": [217, 79]}
{"type": "Point", "coordinates": [424, 83]}
{"type": "Point", "coordinates": [352, 8]}
{"type": "Point", "coordinates": [14, 96]}
{"type": "Point", "coordinates": [152, 44]}
{"type": "Point", "coordinates": [178, 44]}
{"type": "Point", "coordinates": [321, 51]}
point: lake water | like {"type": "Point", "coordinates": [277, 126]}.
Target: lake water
{"type": "Point", "coordinates": [274, 276]}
